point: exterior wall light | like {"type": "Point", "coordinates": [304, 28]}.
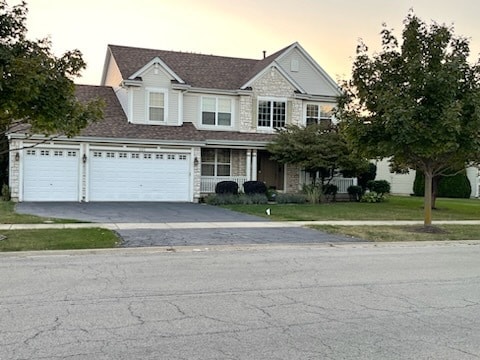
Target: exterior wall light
{"type": "Point", "coordinates": [195, 161]}
{"type": "Point", "coordinates": [17, 156]}
{"type": "Point", "coordinates": [84, 158]}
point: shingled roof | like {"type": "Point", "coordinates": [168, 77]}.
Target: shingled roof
{"type": "Point", "coordinates": [115, 125]}
{"type": "Point", "coordinates": [197, 70]}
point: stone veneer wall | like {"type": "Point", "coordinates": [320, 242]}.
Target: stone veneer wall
{"type": "Point", "coordinates": [293, 179]}
{"type": "Point", "coordinates": [14, 170]}
{"type": "Point", "coordinates": [239, 163]}
{"type": "Point", "coordinates": [197, 174]}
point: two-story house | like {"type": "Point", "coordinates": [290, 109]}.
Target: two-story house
{"type": "Point", "coordinates": [175, 124]}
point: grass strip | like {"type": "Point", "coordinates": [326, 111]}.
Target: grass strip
{"type": "Point", "coordinates": [405, 233]}
{"type": "Point", "coordinates": [395, 208]}
{"type": "Point", "coordinates": [57, 239]}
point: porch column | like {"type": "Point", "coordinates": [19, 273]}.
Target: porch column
{"type": "Point", "coordinates": [249, 165]}
{"type": "Point", "coordinates": [254, 164]}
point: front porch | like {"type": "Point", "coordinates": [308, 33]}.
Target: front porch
{"type": "Point", "coordinates": [208, 183]}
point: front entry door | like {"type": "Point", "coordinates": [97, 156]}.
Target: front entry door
{"type": "Point", "coordinates": [270, 171]}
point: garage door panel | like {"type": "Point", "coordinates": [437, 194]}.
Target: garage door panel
{"type": "Point", "coordinates": [139, 177]}
{"type": "Point", "coordinates": [50, 175]}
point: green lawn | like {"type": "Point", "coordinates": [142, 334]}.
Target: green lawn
{"type": "Point", "coordinates": [9, 216]}
{"type": "Point", "coordinates": [54, 239]}
{"type": "Point", "coordinates": [396, 208]}
{"type": "Point", "coordinates": [49, 239]}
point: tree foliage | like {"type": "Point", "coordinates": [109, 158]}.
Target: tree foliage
{"type": "Point", "coordinates": [417, 102]}
{"type": "Point", "coordinates": [36, 87]}
{"type": "Point", "coordinates": [317, 148]}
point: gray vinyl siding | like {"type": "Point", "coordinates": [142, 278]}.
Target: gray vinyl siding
{"type": "Point", "coordinates": [307, 76]}
{"type": "Point", "coordinates": [154, 81]}
{"type": "Point", "coordinates": [191, 110]}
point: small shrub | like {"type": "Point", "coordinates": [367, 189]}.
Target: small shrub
{"type": "Point", "coordinates": [367, 176]}
{"type": "Point", "coordinates": [291, 198]}
{"type": "Point", "coordinates": [373, 197]}
{"type": "Point", "coordinates": [230, 199]}
{"type": "Point", "coordinates": [254, 187]}
{"type": "Point", "coordinates": [313, 193]}
{"type": "Point", "coordinates": [6, 195]}
{"type": "Point", "coordinates": [355, 192]}
{"type": "Point", "coordinates": [330, 191]}
{"type": "Point", "coordinates": [379, 186]}
{"type": "Point", "coordinates": [255, 198]}
{"type": "Point", "coordinates": [272, 195]}
{"type": "Point", "coordinates": [226, 187]}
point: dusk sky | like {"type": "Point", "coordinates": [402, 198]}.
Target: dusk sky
{"type": "Point", "coordinates": [327, 29]}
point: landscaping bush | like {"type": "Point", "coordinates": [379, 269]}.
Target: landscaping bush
{"type": "Point", "coordinates": [355, 192]}
{"type": "Point", "coordinates": [455, 186]}
{"type": "Point", "coordinates": [271, 194]}
{"type": "Point", "coordinates": [372, 197]}
{"type": "Point", "coordinates": [230, 199]}
{"type": "Point", "coordinates": [254, 187]}
{"type": "Point", "coordinates": [312, 192]}
{"type": "Point", "coordinates": [291, 198]}
{"type": "Point", "coordinates": [379, 186]}
{"type": "Point", "coordinates": [365, 177]}
{"type": "Point", "coordinates": [226, 187]}
{"type": "Point", "coordinates": [6, 196]}
{"type": "Point", "coordinates": [330, 190]}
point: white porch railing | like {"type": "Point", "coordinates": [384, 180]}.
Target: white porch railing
{"type": "Point", "coordinates": [343, 184]}
{"type": "Point", "coordinates": [207, 183]}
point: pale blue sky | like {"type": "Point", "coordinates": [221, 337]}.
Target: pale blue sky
{"type": "Point", "coordinates": [327, 29]}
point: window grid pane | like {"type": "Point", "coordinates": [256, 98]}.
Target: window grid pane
{"type": "Point", "coordinates": [264, 113]}
{"type": "Point", "coordinates": [278, 114]}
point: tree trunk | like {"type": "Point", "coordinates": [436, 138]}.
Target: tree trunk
{"type": "Point", "coordinates": [427, 205]}
{"type": "Point", "coordinates": [435, 182]}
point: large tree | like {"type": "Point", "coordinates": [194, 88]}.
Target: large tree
{"type": "Point", "coordinates": [417, 102]}
{"type": "Point", "coordinates": [36, 87]}
{"type": "Point", "coordinates": [317, 148]}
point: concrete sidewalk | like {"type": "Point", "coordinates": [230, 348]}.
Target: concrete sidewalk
{"type": "Point", "coordinates": [228, 225]}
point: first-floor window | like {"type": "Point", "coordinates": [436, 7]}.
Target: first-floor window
{"type": "Point", "coordinates": [271, 113]}
{"type": "Point", "coordinates": [156, 106]}
{"type": "Point", "coordinates": [316, 113]}
{"type": "Point", "coordinates": [216, 111]}
{"type": "Point", "coordinates": [216, 162]}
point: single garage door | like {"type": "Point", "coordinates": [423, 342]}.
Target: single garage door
{"type": "Point", "coordinates": [50, 175]}
{"type": "Point", "coordinates": [139, 176]}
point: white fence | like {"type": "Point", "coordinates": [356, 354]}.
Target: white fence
{"type": "Point", "coordinates": [343, 184]}
{"type": "Point", "coordinates": [207, 183]}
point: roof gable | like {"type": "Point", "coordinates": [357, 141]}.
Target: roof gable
{"type": "Point", "coordinates": [216, 72]}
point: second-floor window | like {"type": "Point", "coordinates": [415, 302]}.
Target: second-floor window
{"type": "Point", "coordinates": [272, 113]}
{"type": "Point", "coordinates": [156, 106]}
{"type": "Point", "coordinates": [216, 111]}
{"type": "Point", "coordinates": [316, 113]}
{"type": "Point", "coordinates": [216, 162]}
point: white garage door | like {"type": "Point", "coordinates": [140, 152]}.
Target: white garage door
{"type": "Point", "coordinates": [50, 175]}
{"type": "Point", "coordinates": [139, 176]}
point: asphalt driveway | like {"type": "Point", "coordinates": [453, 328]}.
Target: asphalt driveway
{"type": "Point", "coordinates": [188, 213]}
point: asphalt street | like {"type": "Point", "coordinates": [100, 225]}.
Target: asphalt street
{"type": "Point", "coordinates": [356, 301]}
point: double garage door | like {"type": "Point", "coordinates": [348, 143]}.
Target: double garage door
{"type": "Point", "coordinates": [56, 175]}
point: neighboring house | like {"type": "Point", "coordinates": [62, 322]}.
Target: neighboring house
{"type": "Point", "coordinates": [402, 184]}
{"type": "Point", "coordinates": [175, 124]}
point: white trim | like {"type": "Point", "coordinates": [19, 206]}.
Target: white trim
{"type": "Point", "coordinates": [180, 108]}
{"type": "Point", "coordinates": [148, 91]}
{"type": "Point", "coordinates": [273, 66]}
{"type": "Point", "coordinates": [319, 104]}
{"type": "Point", "coordinates": [130, 105]}
{"type": "Point", "coordinates": [271, 99]}
{"type": "Point", "coordinates": [164, 67]}
{"type": "Point", "coordinates": [254, 165]}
